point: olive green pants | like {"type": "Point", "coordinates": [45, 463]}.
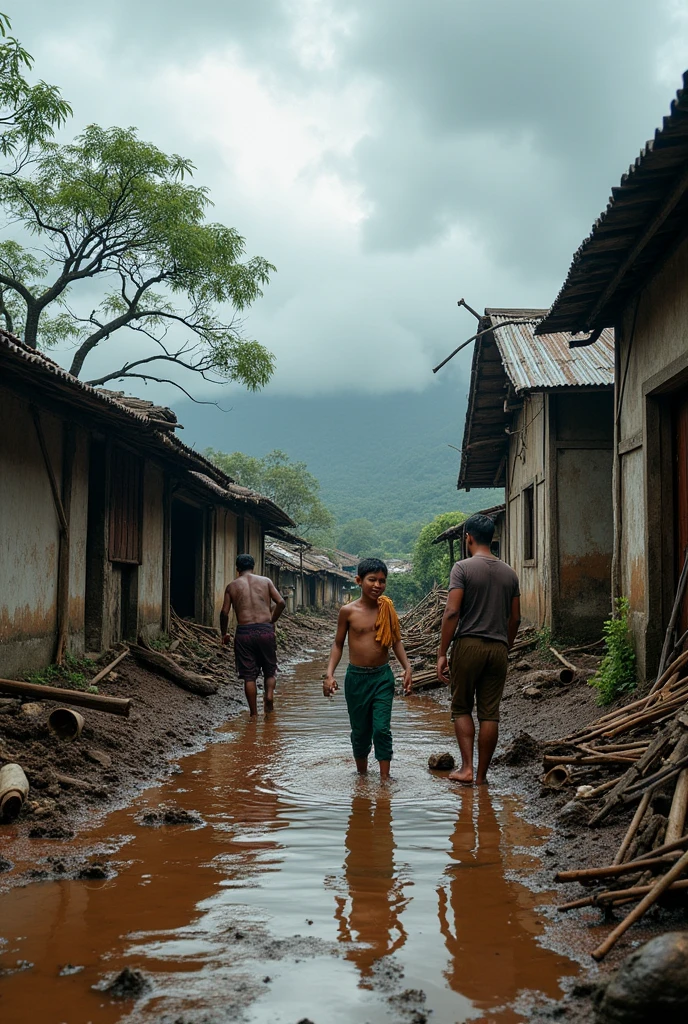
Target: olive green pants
{"type": "Point", "coordinates": [369, 693]}
{"type": "Point", "coordinates": [478, 674]}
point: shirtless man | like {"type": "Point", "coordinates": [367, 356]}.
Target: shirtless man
{"type": "Point", "coordinates": [372, 627]}
{"type": "Point", "coordinates": [253, 598]}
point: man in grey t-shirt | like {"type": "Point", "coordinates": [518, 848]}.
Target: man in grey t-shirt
{"type": "Point", "coordinates": [482, 616]}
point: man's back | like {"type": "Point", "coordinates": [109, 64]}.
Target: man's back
{"type": "Point", "coordinates": [251, 598]}
{"type": "Point", "coordinates": [489, 587]}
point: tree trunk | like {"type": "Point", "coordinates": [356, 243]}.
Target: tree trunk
{"type": "Point", "coordinates": [31, 326]}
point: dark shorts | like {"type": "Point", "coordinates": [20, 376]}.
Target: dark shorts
{"type": "Point", "coordinates": [478, 674]}
{"type": "Point", "coordinates": [255, 650]}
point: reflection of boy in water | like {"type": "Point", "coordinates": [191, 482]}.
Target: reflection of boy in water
{"type": "Point", "coordinates": [375, 894]}
{"type": "Point", "coordinates": [372, 627]}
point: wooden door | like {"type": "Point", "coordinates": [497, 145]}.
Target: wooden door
{"type": "Point", "coordinates": [681, 493]}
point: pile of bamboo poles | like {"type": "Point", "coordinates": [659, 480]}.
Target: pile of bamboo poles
{"type": "Point", "coordinates": [420, 632]}
{"type": "Point", "coordinates": [645, 746]}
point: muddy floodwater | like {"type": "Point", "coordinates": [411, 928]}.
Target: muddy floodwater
{"type": "Point", "coordinates": [304, 893]}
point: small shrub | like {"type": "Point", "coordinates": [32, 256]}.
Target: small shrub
{"type": "Point", "coordinates": [544, 640]}
{"type": "Point", "coordinates": [70, 675]}
{"type": "Point", "coordinates": [616, 674]}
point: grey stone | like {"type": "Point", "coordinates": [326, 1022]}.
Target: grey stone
{"type": "Point", "coordinates": [650, 985]}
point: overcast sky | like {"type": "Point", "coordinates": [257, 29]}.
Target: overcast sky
{"type": "Point", "coordinates": [389, 156]}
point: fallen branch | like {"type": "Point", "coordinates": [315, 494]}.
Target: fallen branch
{"type": "Point", "coordinates": [191, 681]}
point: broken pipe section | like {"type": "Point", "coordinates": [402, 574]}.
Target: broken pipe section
{"type": "Point", "coordinates": [14, 789]}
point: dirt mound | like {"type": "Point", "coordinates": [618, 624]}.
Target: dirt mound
{"type": "Point", "coordinates": [169, 815]}
{"type": "Point", "coordinates": [522, 750]}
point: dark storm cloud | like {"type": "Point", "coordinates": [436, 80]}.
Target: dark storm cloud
{"type": "Point", "coordinates": [513, 117]}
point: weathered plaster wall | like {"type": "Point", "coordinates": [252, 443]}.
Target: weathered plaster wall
{"type": "Point", "coordinates": [656, 357]}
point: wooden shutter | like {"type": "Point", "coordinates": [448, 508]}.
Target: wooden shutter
{"type": "Point", "coordinates": [126, 493]}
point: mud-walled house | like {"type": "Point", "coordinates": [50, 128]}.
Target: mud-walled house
{"type": "Point", "coordinates": [539, 423]}
{"type": "Point", "coordinates": [631, 273]}
{"type": "Point", "coordinates": [306, 578]}
{"type": "Point", "coordinates": [108, 521]}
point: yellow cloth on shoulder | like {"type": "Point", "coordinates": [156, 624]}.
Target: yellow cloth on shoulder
{"type": "Point", "coordinates": [387, 622]}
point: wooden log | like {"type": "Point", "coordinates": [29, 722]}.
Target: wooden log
{"type": "Point", "coordinates": [69, 782]}
{"type": "Point", "coordinates": [94, 701]}
{"type": "Point", "coordinates": [672, 875]}
{"type": "Point", "coordinates": [108, 668]}
{"type": "Point", "coordinates": [552, 760]}
{"type": "Point", "coordinates": [191, 681]}
{"type": "Point", "coordinates": [14, 789]}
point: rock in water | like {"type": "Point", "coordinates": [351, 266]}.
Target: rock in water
{"type": "Point", "coordinates": [651, 984]}
{"type": "Point", "coordinates": [441, 762]}
{"type": "Point", "coordinates": [129, 984]}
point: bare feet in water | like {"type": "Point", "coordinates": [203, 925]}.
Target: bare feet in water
{"type": "Point", "coordinates": [462, 775]}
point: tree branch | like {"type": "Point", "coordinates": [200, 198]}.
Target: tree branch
{"type": "Point", "coordinates": [160, 380]}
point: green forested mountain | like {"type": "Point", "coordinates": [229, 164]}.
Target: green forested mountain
{"type": "Point", "coordinates": [381, 457]}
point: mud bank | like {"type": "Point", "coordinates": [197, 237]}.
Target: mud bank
{"type": "Point", "coordinates": [115, 758]}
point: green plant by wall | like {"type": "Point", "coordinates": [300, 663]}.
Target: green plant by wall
{"type": "Point", "coordinates": [71, 674]}
{"type": "Point", "coordinates": [616, 674]}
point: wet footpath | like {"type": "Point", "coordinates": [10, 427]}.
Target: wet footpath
{"type": "Point", "coordinates": [301, 894]}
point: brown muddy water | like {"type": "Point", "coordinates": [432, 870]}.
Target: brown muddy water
{"type": "Point", "coordinates": [305, 894]}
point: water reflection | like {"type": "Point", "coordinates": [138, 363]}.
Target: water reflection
{"type": "Point", "coordinates": [370, 913]}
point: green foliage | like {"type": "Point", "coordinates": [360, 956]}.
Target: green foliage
{"type": "Point", "coordinates": [161, 642]}
{"type": "Point", "coordinates": [616, 674]}
{"type": "Point", "coordinates": [431, 561]}
{"type": "Point", "coordinates": [113, 212]}
{"type": "Point", "coordinates": [404, 590]}
{"type": "Point", "coordinates": [288, 483]}
{"type": "Point", "coordinates": [360, 537]}
{"type": "Point", "coordinates": [29, 114]}
{"type": "Point", "coordinates": [544, 640]}
{"type": "Point", "coordinates": [70, 674]}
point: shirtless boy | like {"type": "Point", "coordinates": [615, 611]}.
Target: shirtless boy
{"type": "Point", "coordinates": [372, 627]}
{"type": "Point", "coordinates": [255, 650]}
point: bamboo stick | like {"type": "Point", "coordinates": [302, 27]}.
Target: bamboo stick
{"type": "Point", "coordinates": [633, 827]}
{"type": "Point", "coordinates": [679, 807]}
{"type": "Point", "coordinates": [616, 896]}
{"type": "Point", "coordinates": [613, 870]}
{"type": "Point", "coordinates": [108, 668]}
{"type": "Point", "coordinates": [672, 875]}
{"type": "Point", "coordinates": [97, 702]}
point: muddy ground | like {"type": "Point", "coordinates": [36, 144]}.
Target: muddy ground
{"type": "Point", "coordinates": [117, 757]}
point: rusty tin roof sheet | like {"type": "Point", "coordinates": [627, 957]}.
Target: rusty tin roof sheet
{"type": "Point", "coordinates": [542, 362]}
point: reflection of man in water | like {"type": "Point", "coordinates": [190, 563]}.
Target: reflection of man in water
{"type": "Point", "coordinates": [494, 953]}
{"type": "Point", "coordinates": [372, 912]}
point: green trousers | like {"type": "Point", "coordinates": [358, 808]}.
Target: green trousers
{"type": "Point", "coordinates": [369, 693]}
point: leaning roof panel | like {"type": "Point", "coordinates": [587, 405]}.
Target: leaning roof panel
{"type": "Point", "coordinates": [645, 217]}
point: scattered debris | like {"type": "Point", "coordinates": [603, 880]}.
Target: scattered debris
{"type": "Point", "coordinates": [647, 741]}
{"type": "Point", "coordinates": [191, 681]}
{"type": "Point", "coordinates": [169, 815]}
{"type": "Point", "coordinates": [65, 723]}
{"type": "Point", "coordinates": [112, 705]}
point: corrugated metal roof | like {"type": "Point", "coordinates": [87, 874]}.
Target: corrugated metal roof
{"type": "Point", "coordinates": [645, 216]}
{"type": "Point", "coordinates": [541, 362]}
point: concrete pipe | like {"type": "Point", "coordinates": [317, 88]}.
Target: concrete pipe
{"type": "Point", "coordinates": [14, 789]}
{"type": "Point", "coordinates": [557, 777]}
{"type": "Point", "coordinates": [65, 723]}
